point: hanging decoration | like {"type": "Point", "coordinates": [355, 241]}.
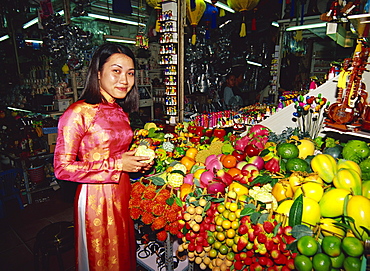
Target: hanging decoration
{"type": "Point", "coordinates": [141, 40]}
{"type": "Point", "coordinates": [242, 6]}
{"type": "Point", "coordinates": [210, 18]}
{"type": "Point", "coordinates": [65, 43]}
{"type": "Point", "coordinates": [157, 6]}
{"type": "Point", "coordinates": [194, 15]}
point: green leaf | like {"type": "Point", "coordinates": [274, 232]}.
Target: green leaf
{"type": "Point", "coordinates": [346, 199]}
{"type": "Point", "coordinates": [247, 211]}
{"type": "Point", "coordinates": [207, 206]}
{"type": "Point", "coordinates": [292, 246]}
{"type": "Point", "coordinates": [158, 181]}
{"type": "Point", "coordinates": [178, 171]}
{"type": "Point", "coordinates": [170, 201]}
{"type": "Point", "coordinates": [301, 230]}
{"type": "Point", "coordinates": [254, 217]}
{"type": "Point", "coordinates": [276, 229]}
{"type": "Point", "coordinates": [296, 211]}
{"type": "Point", "coordinates": [262, 179]}
{"type": "Point", "coordinates": [178, 201]}
{"type": "Point", "coordinates": [262, 218]}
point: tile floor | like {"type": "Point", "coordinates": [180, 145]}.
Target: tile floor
{"type": "Point", "coordinates": [18, 229]}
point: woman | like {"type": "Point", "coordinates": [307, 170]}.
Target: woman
{"type": "Point", "coordinates": [94, 136]}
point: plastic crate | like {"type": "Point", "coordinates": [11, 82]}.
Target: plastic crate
{"type": "Point", "coordinates": [50, 130]}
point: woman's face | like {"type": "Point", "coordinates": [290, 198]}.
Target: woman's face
{"type": "Point", "coordinates": [117, 76]}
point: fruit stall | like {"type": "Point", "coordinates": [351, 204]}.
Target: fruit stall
{"type": "Point", "coordinates": [256, 199]}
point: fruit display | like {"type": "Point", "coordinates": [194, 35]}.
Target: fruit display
{"type": "Point", "coordinates": [256, 200]}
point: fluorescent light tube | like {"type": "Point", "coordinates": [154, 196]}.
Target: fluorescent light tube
{"type": "Point", "coordinates": [276, 24]}
{"type": "Point", "coordinates": [305, 26]}
{"type": "Point", "coordinates": [112, 19]}
{"type": "Point", "coordinates": [254, 63]}
{"type": "Point", "coordinates": [221, 5]}
{"type": "Point", "coordinates": [18, 109]}
{"type": "Point", "coordinates": [4, 37]}
{"type": "Point", "coordinates": [30, 23]}
{"type": "Point", "coordinates": [35, 20]}
{"type": "Point", "coordinates": [34, 41]}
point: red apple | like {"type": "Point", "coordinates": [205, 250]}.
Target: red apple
{"type": "Point", "coordinates": [239, 155]}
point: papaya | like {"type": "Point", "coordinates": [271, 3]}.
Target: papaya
{"type": "Point", "coordinates": [342, 163]}
{"type": "Point", "coordinates": [358, 208]}
{"type": "Point", "coordinates": [366, 189]}
{"type": "Point", "coordinates": [325, 166]}
{"type": "Point", "coordinates": [348, 179]}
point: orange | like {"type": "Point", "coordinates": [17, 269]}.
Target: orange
{"type": "Point", "coordinates": [234, 171]}
{"type": "Point", "coordinates": [187, 162]}
{"type": "Point", "coordinates": [191, 152]}
{"type": "Point", "coordinates": [229, 161]}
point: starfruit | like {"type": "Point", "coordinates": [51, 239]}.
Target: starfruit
{"type": "Point", "coordinates": [342, 163]}
{"type": "Point", "coordinates": [325, 165]}
{"type": "Point", "coordinates": [358, 208]}
{"type": "Point", "coordinates": [348, 179]}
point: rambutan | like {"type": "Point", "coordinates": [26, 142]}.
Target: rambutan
{"type": "Point", "coordinates": [170, 216]}
{"type": "Point", "coordinates": [158, 223]}
{"type": "Point", "coordinates": [162, 236]}
{"type": "Point", "coordinates": [158, 209]}
{"type": "Point", "coordinates": [147, 218]}
{"type": "Point", "coordinates": [135, 213]}
{"type": "Point", "coordinates": [134, 202]}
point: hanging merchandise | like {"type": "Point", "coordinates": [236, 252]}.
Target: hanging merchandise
{"type": "Point", "coordinates": [141, 40]}
{"type": "Point", "coordinates": [242, 6]}
{"type": "Point", "coordinates": [194, 15]}
{"type": "Point", "coordinates": [156, 5]}
{"type": "Point", "coordinates": [210, 18]}
{"type": "Point", "coordinates": [65, 42]}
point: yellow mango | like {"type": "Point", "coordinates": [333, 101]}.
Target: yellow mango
{"type": "Point", "coordinates": [366, 189]}
{"type": "Point", "coordinates": [332, 202]}
{"type": "Point", "coordinates": [325, 165]}
{"type": "Point", "coordinates": [358, 208]}
{"type": "Point", "coordinates": [348, 179]}
{"type": "Point", "coordinates": [342, 163]}
{"type": "Point", "coordinates": [311, 212]}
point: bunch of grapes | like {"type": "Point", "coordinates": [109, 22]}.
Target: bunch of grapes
{"type": "Point", "coordinates": [149, 204]}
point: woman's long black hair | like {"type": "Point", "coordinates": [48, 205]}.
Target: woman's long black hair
{"type": "Point", "coordinates": [91, 93]}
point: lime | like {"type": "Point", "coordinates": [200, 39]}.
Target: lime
{"type": "Point", "coordinates": [302, 263]}
{"type": "Point", "coordinates": [307, 245]}
{"type": "Point", "coordinates": [352, 246]}
{"type": "Point", "coordinates": [217, 245]}
{"type": "Point", "coordinates": [337, 262]}
{"type": "Point", "coordinates": [210, 240]}
{"type": "Point", "coordinates": [230, 256]}
{"type": "Point", "coordinates": [287, 150]}
{"type": "Point", "coordinates": [352, 264]}
{"type": "Point", "coordinates": [212, 253]}
{"type": "Point", "coordinates": [296, 164]}
{"type": "Point", "coordinates": [321, 262]}
{"type": "Point", "coordinates": [331, 245]}
{"type": "Point", "coordinates": [229, 242]}
{"type": "Point", "coordinates": [223, 249]}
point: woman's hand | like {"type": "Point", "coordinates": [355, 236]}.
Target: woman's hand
{"type": "Point", "coordinates": [132, 163]}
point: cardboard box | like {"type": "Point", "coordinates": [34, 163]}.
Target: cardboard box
{"type": "Point", "coordinates": [62, 104]}
{"type": "Point", "coordinates": [52, 138]}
